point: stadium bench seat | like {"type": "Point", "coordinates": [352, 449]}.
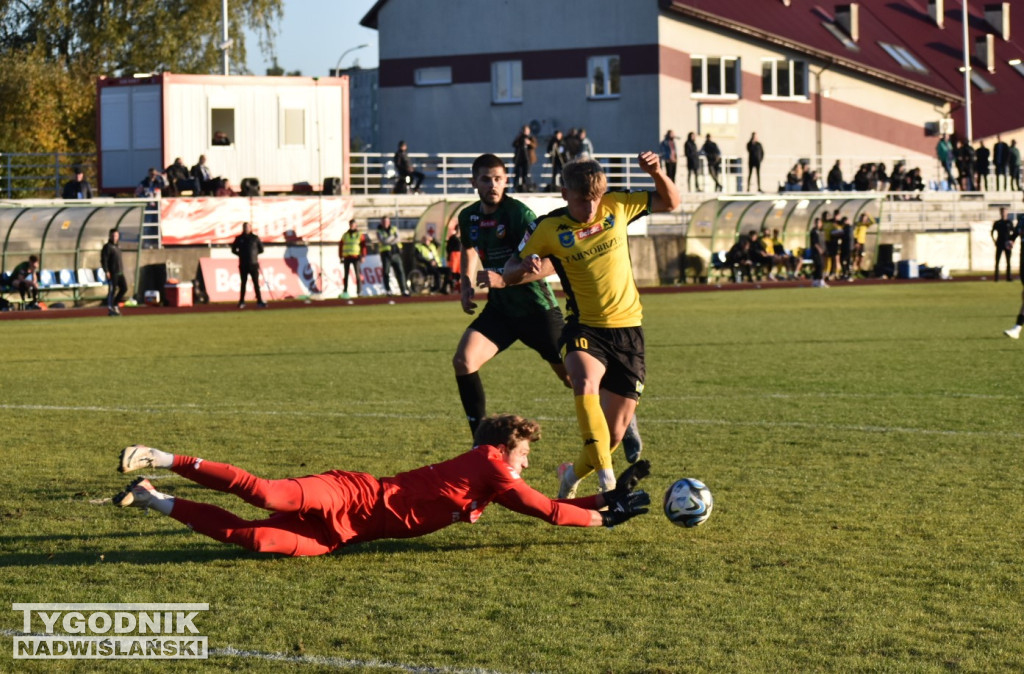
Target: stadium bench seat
{"type": "Point", "coordinates": [101, 276]}
{"type": "Point", "coordinates": [87, 279]}
{"type": "Point", "coordinates": [66, 279]}
{"type": "Point", "coordinates": [47, 279]}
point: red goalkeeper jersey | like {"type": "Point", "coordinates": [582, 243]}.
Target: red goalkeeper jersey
{"type": "Point", "coordinates": [432, 497]}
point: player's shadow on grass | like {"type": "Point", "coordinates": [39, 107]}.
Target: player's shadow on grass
{"type": "Point", "coordinates": [219, 552]}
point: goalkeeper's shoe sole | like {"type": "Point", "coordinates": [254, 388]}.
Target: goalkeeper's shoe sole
{"type": "Point", "coordinates": [567, 481]}
{"type": "Point", "coordinates": [632, 443]}
{"type": "Point", "coordinates": [138, 494]}
{"type": "Point", "coordinates": [134, 458]}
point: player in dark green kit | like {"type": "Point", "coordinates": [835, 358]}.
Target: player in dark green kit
{"type": "Point", "coordinates": [491, 228]}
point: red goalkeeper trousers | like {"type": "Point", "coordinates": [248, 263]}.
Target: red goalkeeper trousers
{"type": "Point", "coordinates": [305, 509]}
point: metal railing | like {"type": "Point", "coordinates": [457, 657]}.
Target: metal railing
{"type": "Point", "coordinates": [42, 175]}
{"type": "Point", "coordinates": [27, 175]}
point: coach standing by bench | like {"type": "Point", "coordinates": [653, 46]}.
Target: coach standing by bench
{"type": "Point", "coordinates": [110, 259]}
{"type": "Point", "coordinates": [247, 247]}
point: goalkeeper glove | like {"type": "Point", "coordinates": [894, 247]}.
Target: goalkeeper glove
{"type": "Point", "coordinates": [622, 507]}
{"type": "Point", "coordinates": [630, 478]}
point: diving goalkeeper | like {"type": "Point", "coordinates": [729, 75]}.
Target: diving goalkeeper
{"type": "Point", "coordinates": [318, 514]}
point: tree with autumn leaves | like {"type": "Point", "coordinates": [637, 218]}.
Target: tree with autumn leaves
{"type": "Point", "coordinates": [52, 51]}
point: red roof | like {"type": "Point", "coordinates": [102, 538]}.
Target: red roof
{"type": "Point", "coordinates": [803, 27]}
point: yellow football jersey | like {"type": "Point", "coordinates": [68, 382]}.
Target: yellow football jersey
{"type": "Point", "coordinates": [592, 259]}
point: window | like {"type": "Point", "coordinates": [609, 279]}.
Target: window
{"type": "Point", "coordinates": [294, 130]}
{"type": "Point", "coordinates": [715, 76]}
{"type": "Point", "coordinates": [903, 56]}
{"type": "Point", "coordinates": [507, 82]}
{"type": "Point", "coordinates": [783, 78]}
{"type": "Point", "coordinates": [222, 126]}
{"type": "Point", "coordinates": [980, 82]}
{"type": "Point", "coordinates": [603, 77]}
{"type": "Point", "coordinates": [436, 75]}
{"type": "Point", "coordinates": [840, 35]}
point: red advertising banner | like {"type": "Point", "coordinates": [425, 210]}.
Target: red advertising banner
{"type": "Point", "coordinates": [297, 274]}
{"type": "Point", "coordinates": [213, 220]}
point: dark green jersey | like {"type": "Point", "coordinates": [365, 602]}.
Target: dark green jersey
{"type": "Point", "coordinates": [496, 237]}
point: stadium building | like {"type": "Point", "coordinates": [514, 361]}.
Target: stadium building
{"type": "Point", "coordinates": [876, 79]}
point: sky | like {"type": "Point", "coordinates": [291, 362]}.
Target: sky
{"type": "Point", "coordinates": [312, 36]}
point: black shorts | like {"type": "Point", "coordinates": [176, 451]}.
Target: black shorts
{"type": "Point", "coordinates": [621, 350]}
{"type": "Point", "coordinates": [539, 331]}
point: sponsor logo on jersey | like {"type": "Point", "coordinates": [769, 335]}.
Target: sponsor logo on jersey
{"type": "Point", "coordinates": [474, 217]}
{"type": "Point", "coordinates": [609, 221]}
{"type": "Point", "coordinates": [522, 244]}
{"type": "Point", "coordinates": [566, 239]}
{"type": "Point", "coordinates": [500, 231]}
{"type": "Point", "coordinates": [488, 224]}
{"type": "Point", "coordinates": [590, 231]}
{"type": "Point", "coordinates": [474, 233]}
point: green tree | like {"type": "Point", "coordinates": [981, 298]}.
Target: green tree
{"type": "Point", "coordinates": [52, 52]}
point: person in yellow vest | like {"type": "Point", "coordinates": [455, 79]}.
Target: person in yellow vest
{"type": "Point", "coordinates": [860, 239]}
{"type": "Point", "coordinates": [426, 255]}
{"type": "Point", "coordinates": [351, 251]}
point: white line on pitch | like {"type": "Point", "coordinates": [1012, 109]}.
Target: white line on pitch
{"type": "Point", "coordinates": [191, 409]}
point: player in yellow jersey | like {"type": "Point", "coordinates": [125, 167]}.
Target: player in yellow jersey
{"type": "Point", "coordinates": [603, 343]}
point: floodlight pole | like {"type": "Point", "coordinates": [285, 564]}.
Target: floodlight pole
{"type": "Point", "coordinates": [337, 68]}
{"type": "Point", "coordinates": [225, 44]}
{"type": "Point", "coordinates": [967, 78]}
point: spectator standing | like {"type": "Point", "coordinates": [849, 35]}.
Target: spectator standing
{"type": "Point", "coordinates": [981, 166]}
{"type": "Point", "coordinates": [572, 144]}
{"type": "Point", "coordinates": [834, 245]}
{"type": "Point", "coordinates": [755, 155]}
{"type": "Point", "coordinates": [25, 279]}
{"type": "Point", "coordinates": [860, 239]}
{"type": "Point", "coordinates": [714, 157]}
{"type": "Point", "coordinates": [1001, 160]}
{"type": "Point", "coordinates": [667, 152]}
{"type": "Point", "coordinates": [110, 260]}
{"type": "Point", "coordinates": [817, 246]}
{"type": "Point", "coordinates": [78, 187]}
{"type": "Point", "coordinates": [179, 179]}
{"type": "Point", "coordinates": [692, 162]}
{"type": "Point", "coordinates": [351, 250]}
{"type": "Point", "coordinates": [390, 252]}
{"type": "Point", "coordinates": [835, 178]}
{"type": "Point", "coordinates": [524, 145]}
{"type": "Point", "coordinates": [944, 151]}
{"type": "Point", "coordinates": [1014, 165]}
{"type": "Point", "coordinates": [453, 259]}
{"type": "Point", "coordinates": [586, 147]}
{"type": "Point", "coordinates": [1002, 235]}
{"type": "Point", "coordinates": [965, 166]}
{"type": "Point", "coordinates": [846, 252]}
{"type": "Point", "coordinates": [556, 154]}
{"type": "Point", "coordinates": [882, 178]}
{"type": "Point", "coordinates": [248, 247]}
{"type": "Point", "coordinates": [408, 176]}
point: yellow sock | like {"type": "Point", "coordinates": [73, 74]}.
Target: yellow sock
{"type": "Point", "coordinates": [596, 452]}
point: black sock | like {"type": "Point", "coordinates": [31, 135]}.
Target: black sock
{"type": "Point", "coordinates": [471, 390]}
{"type": "Point", "coordinates": [1020, 318]}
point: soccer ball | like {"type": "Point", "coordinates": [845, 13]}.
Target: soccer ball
{"type": "Point", "coordinates": [688, 502]}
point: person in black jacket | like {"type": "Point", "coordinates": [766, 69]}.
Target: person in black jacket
{"type": "Point", "coordinates": [692, 162]}
{"type": "Point", "coordinates": [714, 156]}
{"type": "Point", "coordinates": [78, 187]}
{"type": "Point", "coordinates": [1002, 236]}
{"type": "Point", "coordinates": [408, 176]}
{"type": "Point", "coordinates": [247, 247]}
{"type": "Point", "coordinates": [817, 246]}
{"type": "Point", "coordinates": [755, 155]}
{"type": "Point", "coordinates": [110, 260]}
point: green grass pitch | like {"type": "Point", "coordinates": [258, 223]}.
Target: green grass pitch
{"type": "Point", "coordinates": [863, 445]}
